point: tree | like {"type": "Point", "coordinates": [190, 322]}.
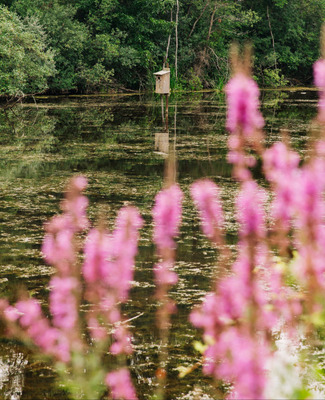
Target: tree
{"type": "Point", "coordinates": [26, 63]}
{"type": "Point", "coordinates": [289, 44]}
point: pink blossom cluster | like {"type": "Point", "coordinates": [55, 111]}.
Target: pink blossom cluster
{"type": "Point", "coordinates": [26, 320]}
{"type": "Point", "coordinates": [319, 80]}
{"type": "Point", "coordinates": [238, 317]}
{"type": "Point", "coordinates": [250, 212]}
{"type": "Point", "coordinates": [75, 204]}
{"type": "Point", "coordinates": [244, 121]}
{"type": "Point", "coordinates": [206, 196]}
{"type": "Point", "coordinates": [60, 336]}
{"type": "Point", "coordinates": [121, 385]}
{"type": "Point", "coordinates": [299, 206]}
{"type": "Point", "coordinates": [243, 105]}
{"type": "Point", "coordinates": [167, 213]}
{"type": "Point", "coordinates": [63, 302]}
{"type": "Point", "coordinates": [310, 229]}
{"type": "Point", "coordinates": [124, 249]}
{"type": "Point", "coordinates": [281, 166]}
{"type": "Point", "coordinates": [107, 269]}
{"type": "Point", "coordinates": [231, 316]}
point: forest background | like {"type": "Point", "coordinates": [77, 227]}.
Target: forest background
{"type": "Point", "coordinates": [99, 46]}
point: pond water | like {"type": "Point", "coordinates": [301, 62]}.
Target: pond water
{"type": "Point", "coordinates": [119, 143]}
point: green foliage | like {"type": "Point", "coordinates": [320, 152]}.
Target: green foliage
{"type": "Point", "coordinates": [274, 78]}
{"type": "Point", "coordinates": [101, 44]}
{"type": "Point", "coordinates": [295, 36]}
{"type": "Point", "coordinates": [25, 62]}
{"type": "Point", "coordinates": [94, 79]}
{"type": "Point", "coordinates": [67, 37]}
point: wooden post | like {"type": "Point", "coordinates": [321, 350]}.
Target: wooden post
{"type": "Point", "coordinates": [162, 108]}
{"type": "Point", "coordinates": [166, 113]}
{"type": "Point", "coordinates": [163, 88]}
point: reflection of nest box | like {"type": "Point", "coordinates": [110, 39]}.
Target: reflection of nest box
{"type": "Point", "coordinates": [162, 142]}
{"type": "Point", "coordinates": [163, 81]}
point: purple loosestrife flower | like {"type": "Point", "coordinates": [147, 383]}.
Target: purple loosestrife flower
{"type": "Point", "coordinates": [57, 245]}
{"type": "Point", "coordinates": [167, 214]}
{"type": "Point", "coordinates": [164, 274]}
{"type": "Point", "coordinates": [97, 250]}
{"type": "Point", "coordinates": [124, 249]}
{"type": "Point", "coordinates": [108, 306]}
{"type": "Point", "coordinates": [235, 318]}
{"type": "Point", "coordinates": [206, 196]}
{"type": "Point", "coordinates": [120, 385]}
{"type": "Point", "coordinates": [244, 121]}
{"type": "Point", "coordinates": [75, 204]}
{"type": "Point", "coordinates": [310, 236]}
{"type": "Point", "coordinates": [63, 302]}
{"type": "Point", "coordinates": [250, 210]}
{"type": "Point", "coordinates": [97, 331]}
{"type": "Point", "coordinates": [122, 344]}
{"type": "Point", "coordinates": [108, 270]}
{"type": "Point", "coordinates": [310, 206]}
{"type": "Point", "coordinates": [281, 166]}
{"type": "Point", "coordinates": [242, 101]}
{"type": "Point", "coordinates": [285, 300]}
{"type": "Point", "coordinates": [319, 80]}
{"type": "Point", "coordinates": [233, 352]}
{"type": "Point", "coordinates": [279, 160]}
{"type": "Point", "coordinates": [38, 329]}
{"type": "Point", "coordinates": [245, 360]}
{"type": "Point", "coordinates": [319, 73]}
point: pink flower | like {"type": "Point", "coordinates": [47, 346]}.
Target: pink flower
{"type": "Point", "coordinates": [319, 80]}
{"type": "Point", "coordinates": [37, 327]}
{"type": "Point", "coordinates": [281, 166]}
{"type": "Point", "coordinates": [279, 160]}
{"type": "Point", "coordinates": [206, 196]}
{"type": "Point", "coordinates": [120, 385]}
{"type": "Point", "coordinates": [250, 210]}
{"type": "Point", "coordinates": [57, 245]}
{"type": "Point", "coordinates": [164, 274]}
{"type": "Point", "coordinates": [30, 311]}
{"type": "Point", "coordinates": [243, 363]}
{"type": "Point", "coordinates": [319, 74]}
{"type": "Point", "coordinates": [242, 100]}
{"type": "Point", "coordinates": [79, 183]}
{"type": "Point", "coordinates": [63, 302]}
{"type": "Point", "coordinates": [97, 250]}
{"type": "Point", "coordinates": [11, 313]}
{"type": "Point", "coordinates": [97, 331]}
{"type": "Point", "coordinates": [124, 249]}
{"type": "Point", "coordinates": [75, 204]}
{"type": "Point", "coordinates": [108, 306]}
{"type": "Point", "coordinates": [167, 213]}
{"type": "Point", "coordinates": [126, 234]}
{"type": "Point", "coordinates": [123, 344]}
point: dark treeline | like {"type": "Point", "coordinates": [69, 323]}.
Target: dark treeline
{"type": "Point", "coordinates": [90, 46]}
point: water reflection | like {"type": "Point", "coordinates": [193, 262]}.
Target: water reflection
{"type": "Point", "coordinates": [12, 368]}
{"type": "Point", "coordinates": [118, 143]}
{"type": "Point", "coordinates": [162, 142]}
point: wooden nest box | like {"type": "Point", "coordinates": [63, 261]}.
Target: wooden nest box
{"type": "Point", "coordinates": [163, 81]}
